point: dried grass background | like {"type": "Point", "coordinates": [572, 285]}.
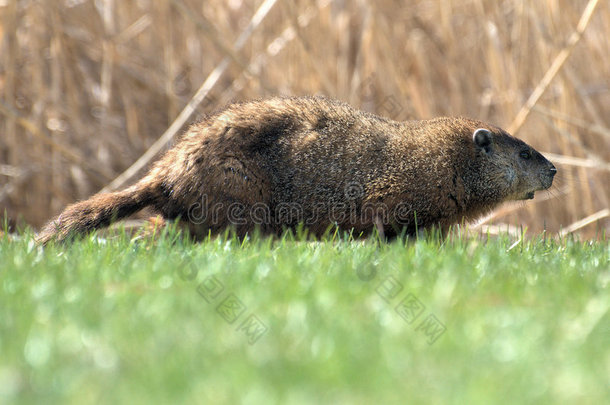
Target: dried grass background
{"type": "Point", "coordinates": [86, 87]}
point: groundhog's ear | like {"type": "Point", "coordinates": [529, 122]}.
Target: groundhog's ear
{"type": "Point", "coordinates": [482, 139]}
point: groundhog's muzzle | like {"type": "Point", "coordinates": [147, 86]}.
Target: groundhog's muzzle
{"type": "Point", "coordinates": [546, 180]}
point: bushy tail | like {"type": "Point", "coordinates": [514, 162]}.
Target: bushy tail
{"type": "Point", "coordinates": [96, 212]}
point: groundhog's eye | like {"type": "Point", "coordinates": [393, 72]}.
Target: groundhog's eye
{"type": "Point", "coordinates": [525, 154]}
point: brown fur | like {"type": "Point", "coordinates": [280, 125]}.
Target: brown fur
{"type": "Point", "coordinates": [275, 163]}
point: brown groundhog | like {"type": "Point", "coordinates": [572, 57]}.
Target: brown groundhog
{"type": "Point", "coordinates": [275, 163]}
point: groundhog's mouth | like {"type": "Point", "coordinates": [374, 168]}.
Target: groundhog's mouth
{"type": "Point", "coordinates": [527, 196]}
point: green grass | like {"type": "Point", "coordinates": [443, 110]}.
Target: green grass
{"type": "Point", "coordinates": [125, 322]}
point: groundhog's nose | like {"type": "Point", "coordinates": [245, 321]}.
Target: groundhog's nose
{"type": "Point", "coordinates": [553, 170]}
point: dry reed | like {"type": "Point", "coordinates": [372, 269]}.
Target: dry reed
{"type": "Point", "coordinates": [88, 87]}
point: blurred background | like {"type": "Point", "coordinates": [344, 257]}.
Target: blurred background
{"type": "Point", "coordinates": [87, 87]}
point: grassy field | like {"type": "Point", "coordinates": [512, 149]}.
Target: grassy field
{"type": "Point", "coordinates": [296, 322]}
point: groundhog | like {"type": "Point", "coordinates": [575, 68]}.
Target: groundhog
{"type": "Point", "coordinates": [276, 163]}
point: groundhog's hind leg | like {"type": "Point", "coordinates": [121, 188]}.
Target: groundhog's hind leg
{"type": "Point", "coordinates": [379, 226]}
{"type": "Point", "coordinates": [234, 196]}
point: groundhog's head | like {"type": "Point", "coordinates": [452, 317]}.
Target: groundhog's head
{"type": "Point", "coordinates": [515, 169]}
